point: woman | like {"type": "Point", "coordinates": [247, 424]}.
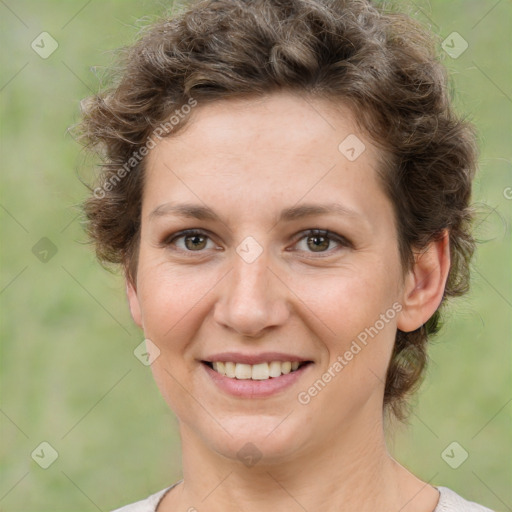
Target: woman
{"type": "Point", "coordinates": [287, 189]}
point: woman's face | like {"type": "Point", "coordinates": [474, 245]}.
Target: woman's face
{"type": "Point", "coordinates": [254, 286]}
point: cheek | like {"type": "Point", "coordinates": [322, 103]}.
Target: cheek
{"type": "Point", "coordinates": [173, 303]}
{"type": "Point", "coordinates": [176, 302]}
{"type": "Point", "coordinates": [358, 341]}
{"type": "Point", "coordinates": [349, 300]}
{"type": "Point", "coordinates": [171, 300]}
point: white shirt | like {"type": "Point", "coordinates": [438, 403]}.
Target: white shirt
{"type": "Point", "coordinates": [449, 501]}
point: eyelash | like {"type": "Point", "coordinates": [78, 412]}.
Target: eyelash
{"type": "Point", "coordinates": [331, 236]}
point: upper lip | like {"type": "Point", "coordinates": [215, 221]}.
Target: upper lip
{"type": "Point", "coordinates": [264, 357]}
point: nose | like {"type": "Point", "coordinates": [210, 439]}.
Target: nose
{"type": "Point", "coordinates": [252, 299]}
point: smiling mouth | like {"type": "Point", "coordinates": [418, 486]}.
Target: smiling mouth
{"type": "Point", "coordinates": [261, 371]}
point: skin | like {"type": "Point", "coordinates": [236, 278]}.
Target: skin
{"type": "Point", "coordinates": [247, 160]}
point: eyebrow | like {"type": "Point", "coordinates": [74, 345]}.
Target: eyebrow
{"type": "Point", "coordinates": [200, 212]}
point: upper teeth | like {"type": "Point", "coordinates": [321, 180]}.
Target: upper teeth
{"type": "Point", "coordinates": [261, 371]}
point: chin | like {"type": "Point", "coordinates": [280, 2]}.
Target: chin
{"type": "Point", "coordinates": [263, 440]}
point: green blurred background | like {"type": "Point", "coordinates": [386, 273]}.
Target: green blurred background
{"type": "Point", "coordinates": [68, 373]}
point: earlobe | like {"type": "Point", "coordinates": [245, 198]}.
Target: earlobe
{"type": "Point", "coordinates": [425, 284]}
{"type": "Point", "coordinates": [133, 302]}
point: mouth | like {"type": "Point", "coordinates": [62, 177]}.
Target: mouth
{"type": "Point", "coordinates": [256, 372]}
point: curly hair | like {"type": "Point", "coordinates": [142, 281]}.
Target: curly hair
{"type": "Point", "coordinates": [381, 64]}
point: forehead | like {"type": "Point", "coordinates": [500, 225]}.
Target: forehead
{"type": "Point", "coordinates": [264, 151]}
{"type": "Point", "coordinates": [282, 122]}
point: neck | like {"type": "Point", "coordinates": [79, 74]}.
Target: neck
{"type": "Point", "coordinates": [352, 471]}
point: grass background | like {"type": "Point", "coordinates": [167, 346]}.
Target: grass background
{"type": "Point", "coordinates": [68, 374]}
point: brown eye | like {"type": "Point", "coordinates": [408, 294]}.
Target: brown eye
{"type": "Point", "coordinates": [189, 241]}
{"type": "Point", "coordinates": [195, 242]}
{"type": "Point", "coordinates": [320, 241]}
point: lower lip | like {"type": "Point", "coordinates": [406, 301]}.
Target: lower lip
{"type": "Point", "coordinates": [248, 388]}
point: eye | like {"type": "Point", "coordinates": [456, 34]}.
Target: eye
{"type": "Point", "coordinates": [316, 241]}
{"type": "Point", "coordinates": [193, 241]}
{"type": "Point", "coordinates": [319, 240]}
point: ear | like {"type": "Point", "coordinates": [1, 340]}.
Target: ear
{"type": "Point", "coordinates": [133, 301]}
{"type": "Point", "coordinates": [425, 284]}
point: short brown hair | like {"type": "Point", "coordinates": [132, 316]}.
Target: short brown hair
{"type": "Point", "coordinates": [383, 65]}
